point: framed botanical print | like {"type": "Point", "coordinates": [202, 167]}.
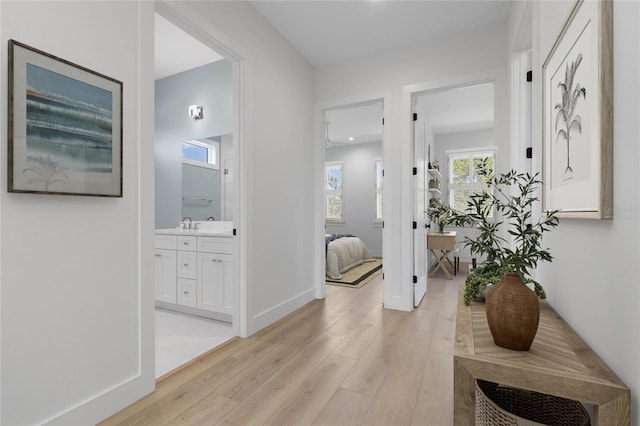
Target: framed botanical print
{"type": "Point", "coordinates": [577, 115]}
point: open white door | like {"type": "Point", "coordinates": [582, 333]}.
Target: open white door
{"type": "Point", "coordinates": [420, 208]}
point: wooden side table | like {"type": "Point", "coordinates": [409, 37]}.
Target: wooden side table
{"type": "Point", "coordinates": [445, 242]}
{"type": "Point", "coordinates": [559, 363]}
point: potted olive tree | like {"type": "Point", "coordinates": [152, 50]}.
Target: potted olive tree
{"type": "Point", "coordinates": [512, 308]}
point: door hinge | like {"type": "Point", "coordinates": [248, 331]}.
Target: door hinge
{"type": "Point", "coordinates": [415, 279]}
{"type": "Point", "coordinates": [529, 152]}
{"type": "Point", "coordinates": [415, 116]}
{"type": "Point", "coordinates": [383, 121]}
{"type": "Point", "coordinates": [529, 76]}
{"type": "Point", "coordinates": [414, 171]}
{"type": "Point", "coordinates": [383, 275]}
{"type": "Point", "coordinates": [383, 223]}
{"type": "Point", "coordinates": [415, 225]}
{"type": "Point", "coordinates": [235, 232]}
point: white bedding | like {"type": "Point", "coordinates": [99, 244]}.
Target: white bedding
{"type": "Point", "coordinates": [345, 253]}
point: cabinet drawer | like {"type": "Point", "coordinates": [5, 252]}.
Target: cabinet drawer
{"type": "Point", "coordinates": [215, 245]}
{"type": "Point", "coordinates": [187, 264]}
{"type": "Point", "coordinates": [187, 292]}
{"type": "Point", "coordinates": [187, 243]}
{"type": "Point", "coordinates": [168, 242]}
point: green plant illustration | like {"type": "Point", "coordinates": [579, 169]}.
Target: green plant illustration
{"type": "Point", "coordinates": [46, 171]}
{"type": "Point", "coordinates": [566, 110]}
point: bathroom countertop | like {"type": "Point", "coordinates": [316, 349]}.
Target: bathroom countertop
{"type": "Point", "coordinates": [200, 232]}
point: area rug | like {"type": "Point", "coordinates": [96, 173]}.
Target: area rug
{"type": "Point", "coordinates": [358, 276]}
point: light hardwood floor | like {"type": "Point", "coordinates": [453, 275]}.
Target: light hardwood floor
{"type": "Point", "coordinates": [343, 360]}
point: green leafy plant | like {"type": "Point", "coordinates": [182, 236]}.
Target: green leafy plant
{"type": "Point", "coordinates": [515, 216]}
{"type": "Point", "coordinates": [441, 215]}
{"type": "Point", "coordinates": [479, 279]}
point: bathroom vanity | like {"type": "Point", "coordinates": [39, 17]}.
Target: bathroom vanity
{"type": "Point", "coordinates": [194, 270]}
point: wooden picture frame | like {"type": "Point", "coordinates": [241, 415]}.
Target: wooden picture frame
{"type": "Point", "coordinates": [64, 126]}
{"type": "Point", "coordinates": [577, 115]}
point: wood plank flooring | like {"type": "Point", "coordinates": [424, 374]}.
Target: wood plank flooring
{"type": "Point", "coordinates": [340, 361]}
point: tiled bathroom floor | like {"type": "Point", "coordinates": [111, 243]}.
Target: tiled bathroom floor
{"type": "Point", "coordinates": [181, 338]}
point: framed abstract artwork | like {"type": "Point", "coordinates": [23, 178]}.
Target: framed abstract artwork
{"type": "Point", "coordinates": [64, 125]}
{"type": "Point", "coordinates": [577, 115]}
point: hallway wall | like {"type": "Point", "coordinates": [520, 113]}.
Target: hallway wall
{"type": "Point", "coordinates": [76, 272]}
{"type": "Point", "coordinates": [593, 281]}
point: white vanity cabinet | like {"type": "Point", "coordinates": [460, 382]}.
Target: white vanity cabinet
{"type": "Point", "coordinates": [187, 270]}
{"type": "Point", "coordinates": [215, 275]}
{"type": "Point", "coordinates": [194, 274]}
{"type": "Point", "coordinates": [165, 268]}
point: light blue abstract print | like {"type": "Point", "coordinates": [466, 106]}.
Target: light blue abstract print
{"type": "Point", "coordinates": [69, 128]}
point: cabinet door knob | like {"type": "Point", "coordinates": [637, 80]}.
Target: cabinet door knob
{"type": "Point", "coordinates": [186, 292]}
{"type": "Point", "coordinates": [186, 265]}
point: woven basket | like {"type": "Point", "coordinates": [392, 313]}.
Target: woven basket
{"type": "Point", "coordinates": [498, 405]}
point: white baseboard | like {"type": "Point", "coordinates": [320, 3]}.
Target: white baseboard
{"type": "Point", "coordinates": [273, 314]}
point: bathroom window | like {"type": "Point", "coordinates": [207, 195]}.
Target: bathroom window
{"type": "Point", "coordinates": [201, 154]}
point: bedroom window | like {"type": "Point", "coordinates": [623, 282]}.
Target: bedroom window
{"type": "Point", "coordinates": [463, 179]}
{"type": "Point", "coordinates": [379, 185]}
{"type": "Point", "coordinates": [333, 190]}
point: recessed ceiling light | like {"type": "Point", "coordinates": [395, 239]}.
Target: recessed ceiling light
{"type": "Point", "coordinates": [350, 138]}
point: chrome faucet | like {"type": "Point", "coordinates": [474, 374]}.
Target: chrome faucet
{"type": "Point", "coordinates": [184, 223]}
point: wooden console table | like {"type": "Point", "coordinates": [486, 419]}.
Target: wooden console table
{"type": "Point", "coordinates": [559, 363]}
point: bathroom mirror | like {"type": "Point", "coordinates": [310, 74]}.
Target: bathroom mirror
{"type": "Point", "coordinates": [207, 178]}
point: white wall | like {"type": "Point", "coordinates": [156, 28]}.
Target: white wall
{"type": "Point", "coordinates": [76, 273]}
{"type": "Point", "coordinates": [438, 61]}
{"type": "Point", "coordinates": [593, 281]}
{"type": "Point", "coordinates": [279, 155]}
{"type": "Point", "coordinates": [359, 193]}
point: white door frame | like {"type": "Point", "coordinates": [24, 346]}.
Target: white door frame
{"type": "Point", "coordinates": [496, 75]}
{"type": "Point", "coordinates": [319, 258]}
{"type": "Point", "coordinates": [181, 15]}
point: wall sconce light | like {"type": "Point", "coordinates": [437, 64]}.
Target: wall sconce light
{"type": "Point", "coordinates": [195, 112]}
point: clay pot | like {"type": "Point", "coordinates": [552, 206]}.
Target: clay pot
{"type": "Point", "coordinates": [513, 312]}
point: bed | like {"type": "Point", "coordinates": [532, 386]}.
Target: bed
{"type": "Point", "coordinates": [344, 251]}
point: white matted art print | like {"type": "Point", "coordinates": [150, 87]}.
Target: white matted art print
{"type": "Point", "coordinates": [577, 115]}
{"type": "Point", "coordinates": [65, 126]}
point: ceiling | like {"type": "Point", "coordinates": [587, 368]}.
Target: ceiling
{"type": "Point", "coordinates": [459, 109]}
{"type": "Point", "coordinates": [176, 51]}
{"type": "Point", "coordinates": [327, 32]}
{"type": "Point", "coordinates": [359, 124]}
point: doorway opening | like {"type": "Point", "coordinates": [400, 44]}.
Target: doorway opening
{"type": "Point", "coordinates": [352, 207]}
{"type": "Point", "coordinates": [453, 126]}
{"type": "Point", "coordinates": [197, 153]}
